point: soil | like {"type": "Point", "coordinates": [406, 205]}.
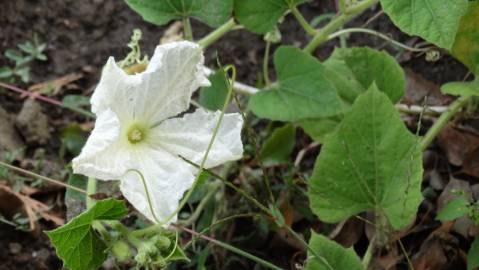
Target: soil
{"type": "Point", "coordinates": [81, 35]}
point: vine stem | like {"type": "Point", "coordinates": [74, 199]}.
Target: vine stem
{"type": "Point", "coordinates": [375, 33]}
{"type": "Point", "coordinates": [231, 248]}
{"type": "Point", "coordinates": [90, 189]}
{"type": "Point", "coordinates": [188, 33]}
{"type": "Point", "coordinates": [455, 107]}
{"type": "Point", "coordinates": [212, 189]}
{"type": "Point", "coordinates": [32, 174]}
{"type": "Point", "coordinates": [217, 34]}
{"type": "Point", "coordinates": [267, 81]}
{"type": "Point", "coordinates": [369, 254]}
{"type": "Point", "coordinates": [302, 21]}
{"type": "Point", "coordinates": [210, 145]}
{"type": "Point", "coordinates": [337, 23]}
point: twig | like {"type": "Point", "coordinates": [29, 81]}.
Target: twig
{"type": "Point", "coordinates": [29, 173]}
{"type": "Point", "coordinates": [230, 248]}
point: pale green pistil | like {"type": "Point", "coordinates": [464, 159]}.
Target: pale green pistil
{"type": "Point", "coordinates": [135, 134]}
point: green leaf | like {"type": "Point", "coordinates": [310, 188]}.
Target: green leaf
{"type": "Point", "coordinates": [454, 209]}
{"type": "Point", "coordinates": [73, 138]}
{"type": "Point", "coordinates": [14, 55]}
{"type": "Point", "coordinates": [303, 91]}
{"type": "Point", "coordinates": [213, 97]}
{"type": "Point", "coordinates": [352, 71]}
{"type": "Point", "coordinates": [318, 129]}
{"type": "Point", "coordinates": [436, 21]}
{"type": "Point", "coordinates": [473, 255]}
{"type": "Point", "coordinates": [338, 257]}
{"type": "Point", "coordinates": [5, 72]}
{"type": "Point", "coordinates": [278, 147]}
{"type": "Point", "coordinates": [372, 162]}
{"type": "Point", "coordinates": [160, 12]}
{"type": "Point", "coordinates": [467, 89]}
{"type": "Point", "coordinates": [77, 243]}
{"type": "Point", "coordinates": [365, 66]}
{"type": "Point", "coordinates": [262, 16]}
{"type": "Point", "coordinates": [466, 45]}
{"type": "Point", "coordinates": [75, 101]}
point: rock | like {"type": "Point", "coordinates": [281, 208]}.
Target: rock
{"type": "Point", "coordinates": [33, 123]}
{"type": "Point", "coordinates": [14, 248]}
{"type": "Point", "coordinates": [10, 140]}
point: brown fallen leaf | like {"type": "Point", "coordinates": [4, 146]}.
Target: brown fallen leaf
{"type": "Point", "coordinates": [12, 202]}
{"type": "Point", "coordinates": [348, 232]}
{"type": "Point", "coordinates": [418, 87]}
{"type": "Point", "coordinates": [440, 251]}
{"type": "Point", "coordinates": [53, 87]}
{"type": "Point", "coordinates": [457, 144]}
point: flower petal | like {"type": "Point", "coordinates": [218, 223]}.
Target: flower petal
{"type": "Point", "coordinates": [163, 90]}
{"type": "Point", "coordinates": [190, 135]}
{"type": "Point", "coordinates": [174, 73]}
{"type": "Point", "coordinates": [103, 156]}
{"type": "Point", "coordinates": [116, 91]}
{"type": "Point", "coordinates": [166, 177]}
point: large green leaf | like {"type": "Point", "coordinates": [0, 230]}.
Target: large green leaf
{"type": "Point", "coordinates": [337, 257]}
{"type": "Point", "coordinates": [372, 162]}
{"type": "Point", "coordinates": [77, 243]}
{"type": "Point", "coordinates": [211, 12]}
{"type": "Point", "coordinates": [213, 97]}
{"type": "Point", "coordinates": [353, 71]}
{"type": "Point", "coordinates": [365, 66]}
{"type": "Point", "coordinates": [304, 90]}
{"type": "Point", "coordinates": [279, 145]}
{"type": "Point", "coordinates": [466, 46]}
{"type": "Point", "coordinates": [467, 89]}
{"type": "Point", "coordinates": [436, 21]}
{"type": "Point", "coordinates": [261, 16]}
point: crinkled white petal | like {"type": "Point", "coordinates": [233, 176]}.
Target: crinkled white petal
{"type": "Point", "coordinates": [115, 91]}
{"type": "Point", "coordinates": [190, 135]}
{"type": "Point", "coordinates": [163, 90]}
{"type": "Point", "coordinates": [103, 156]}
{"type": "Point", "coordinates": [167, 178]}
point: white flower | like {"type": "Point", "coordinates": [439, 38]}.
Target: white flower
{"type": "Point", "coordinates": [134, 129]}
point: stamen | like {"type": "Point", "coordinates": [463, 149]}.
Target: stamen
{"type": "Point", "coordinates": [135, 135]}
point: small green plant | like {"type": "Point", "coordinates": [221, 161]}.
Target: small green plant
{"type": "Point", "coordinates": [28, 52]}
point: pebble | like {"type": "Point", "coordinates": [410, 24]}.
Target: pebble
{"type": "Point", "coordinates": [14, 248]}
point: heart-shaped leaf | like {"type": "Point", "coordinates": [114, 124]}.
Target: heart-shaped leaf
{"type": "Point", "coordinates": [262, 16]}
{"type": "Point", "coordinates": [78, 244]}
{"type": "Point", "coordinates": [352, 71]}
{"type": "Point", "coordinates": [336, 256]}
{"type": "Point", "coordinates": [372, 162]}
{"type": "Point", "coordinates": [211, 12]}
{"type": "Point", "coordinates": [303, 91]}
{"type": "Point", "coordinates": [436, 21]}
{"type": "Point", "coordinates": [466, 46]}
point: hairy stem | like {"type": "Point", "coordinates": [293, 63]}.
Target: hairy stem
{"type": "Point", "coordinates": [90, 190]}
{"type": "Point", "coordinates": [306, 26]}
{"type": "Point", "coordinates": [338, 22]}
{"type": "Point", "coordinates": [232, 249]}
{"type": "Point", "coordinates": [217, 34]}
{"type": "Point", "coordinates": [187, 32]}
{"type": "Point", "coordinates": [455, 107]}
{"type": "Point", "coordinates": [208, 149]}
{"type": "Point", "coordinates": [267, 81]}
{"type": "Point", "coordinates": [212, 189]}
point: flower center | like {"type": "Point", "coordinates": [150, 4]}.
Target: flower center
{"type": "Point", "coordinates": [135, 134]}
